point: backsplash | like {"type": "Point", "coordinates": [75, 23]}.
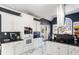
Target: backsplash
{"type": "Point", "coordinates": [6, 35]}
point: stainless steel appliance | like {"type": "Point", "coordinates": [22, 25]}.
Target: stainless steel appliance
{"type": "Point", "coordinates": [27, 30]}
{"type": "Point", "coordinates": [28, 35]}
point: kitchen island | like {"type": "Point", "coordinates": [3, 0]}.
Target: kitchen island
{"type": "Point", "coordinates": [57, 48]}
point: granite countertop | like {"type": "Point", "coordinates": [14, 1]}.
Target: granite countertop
{"type": "Point", "coordinates": [12, 41]}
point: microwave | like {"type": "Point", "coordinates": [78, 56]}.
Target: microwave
{"type": "Point", "coordinates": [27, 30]}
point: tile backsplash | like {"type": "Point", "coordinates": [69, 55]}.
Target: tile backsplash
{"type": "Point", "coordinates": [6, 35]}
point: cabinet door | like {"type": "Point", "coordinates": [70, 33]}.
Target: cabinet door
{"type": "Point", "coordinates": [36, 26]}
{"type": "Point", "coordinates": [73, 50]}
{"type": "Point", "coordinates": [56, 48]}
{"type": "Point", "coordinates": [7, 22]}
{"type": "Point", "coordinates": [7, 49]}
{"type": "Point", "coordinates": [52, 48]}
{"type": "Point", "coordinates": [63, 49]}
{"type": "Point", "coordinates": [19, 48]}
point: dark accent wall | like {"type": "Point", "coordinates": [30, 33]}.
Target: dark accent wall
{"type": "Point", "coordinates": [54, 21]}
{"type": "Point", "coordinates": [45, 21]}
{"type": "Point", "coordinates": [50, 31]}
{"type": "Point", "coordinates": [73, 16]}
{"type": "Point", "coordinates": [0, 23]}
{"type": "Point", "coordinates": [3, 36]}
{"type": "Point", "coordinates": [9, 11]}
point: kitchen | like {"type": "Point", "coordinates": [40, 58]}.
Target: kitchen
{"type": "Point", "coordinates": [27, 34]}
{"type": "Point", "coordinates": [17, 32]}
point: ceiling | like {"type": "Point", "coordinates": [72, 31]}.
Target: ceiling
{"type": "Point", "coordinates": [38, 10]}
{"type": "Point", "coordinates": [71, 8]}
{"type": "Point", "coordinates": [47, 11]}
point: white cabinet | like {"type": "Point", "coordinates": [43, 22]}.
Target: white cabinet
{"type": "Point", "coordinates": [38, 42]}
{"type": "Point", "coordinates": [73, 50]}
{"type": "Point", "coordinates": [13, 48]}
{"type": "Point", "coordinates": [6, 22]}
{"type": "Point", "coordinates": [19, 48]}
{"type": "Point", "coordinates": [7, 49]}
{"type": "Point", "coordinates": [63, 49]}
{"type": "Point", "coordinates": [36, 26]}
{"type": "Point", "coordinates": [53, 48]}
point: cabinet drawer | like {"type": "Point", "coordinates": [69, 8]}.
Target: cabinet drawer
{"type": "Point", "coordinates": [19, 48]}
{"type": "Point", "coordinates": [7, 49]}
{"type": "Point", "coordinates": [73, 50]}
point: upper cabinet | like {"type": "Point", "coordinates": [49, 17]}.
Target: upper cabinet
{"type": "Point", "coordinates": [6, 22]}
{"type": "Point", "coordinates": [23, 21]}
{"type": "Point", "coordinates": [36, 26]}
{"type": "Point", "coordinates": [12, 23]}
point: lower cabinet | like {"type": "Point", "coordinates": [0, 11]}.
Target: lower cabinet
{"type": "Point", "coordinates": [38, 42]}
{"type": "Point", "coordinates": [63, 49]}
{"type": "Point", "coordinates": [73, 50]}
{"type": "Point", "coordinates": [7, 49]}
{"type": "Point", "coordinates": [13, 48]}
{"type": "Point", "coordinates": [19, 48]}
{"type": "Point", "coordinates": [53, 48]}
{"type": "Point", "coordinates": [16, 48]}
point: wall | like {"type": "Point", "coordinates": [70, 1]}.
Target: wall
{"type": "Point", "coordinates": [0, 23]}
{"type": "Point", "coordinates": [74, 17]}
{"type": "Point", "coordinates": [53, 27]}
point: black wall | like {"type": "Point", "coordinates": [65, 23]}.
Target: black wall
{"type": "Point", "coordinates": [45, 21]}
{"type": "Point", "coordinates": [3, 36]}
{"type": "Point", "coordinates": [54, 21]}
{"type": "Point", "coordinates": [74, 16]}
{"type": "Point", "coordinates": [0, 23]}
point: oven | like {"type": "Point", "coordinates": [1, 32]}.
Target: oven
{"type": "Point", "coordinates": [28, 36]}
